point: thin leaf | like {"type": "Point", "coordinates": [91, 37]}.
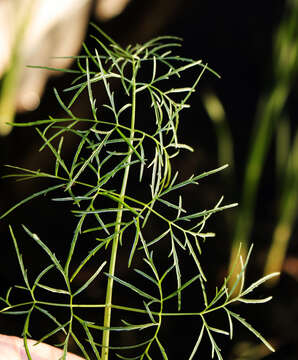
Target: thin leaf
{"type": "Point", "coordinates": [185, 285]}
{"type": "Point", "coordinates": [230, 322]}
{"type": "Point", "coordinates": [91, 157]}
{"type": "Point", "coordinates": [146, 276]}
{"type": "Point", "coordinates": [162, 349]}
{"type": "Point", "coordinates": [132, 287]}
{"type": "Point", "coordinates": [41, 275]}
{"type": "Point", "coordinates": [258, 283]}
{"type": "Point", "coordinates": [89, 281]}
{"type": "Point", "coordinates": [250, 328]}
{"type": "Point", "coordinates": [129, 143]}
{"type": "Point", "coordinates": [53, 290]}
{"type": "Point", "coordinates": [39, 193]}
{"type": "Point", "coordinates": [194, 350]}
{"type": "Point", "coordinates": [149, 312]}
{"type": "Point", "coordinates": [86, 259]}
{"type": "Point", "coordinates": [45, 312]}
{"type": "Point", "coordinates": [46, 249]}
{"type": "Point", "coordinates": [64, 107]}
{"type": "Point", "coordinates": [254, 301]}
{"type": "Point", "coordinates": [80, 346]}
{"type": "Point", "coordinates": [20, 260]}
{"type": "Point", "coordinates": [61, 327]}
{"type": "Point", "coordinates": [90, 338]}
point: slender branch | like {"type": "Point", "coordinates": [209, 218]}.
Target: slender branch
{"type": "Point", "coordinates": [109, 292]}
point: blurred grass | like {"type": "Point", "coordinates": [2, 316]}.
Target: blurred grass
{"type": "Point", "coordinates": [225, 146]}
{"type": "Point", "coordinates": [288, 209]}
{"type": "Point", "coordinates": [270, 110]}
{"type": "Point", "coordinates": [270, 121]}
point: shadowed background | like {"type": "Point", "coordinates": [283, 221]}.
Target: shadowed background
{"type": "Point", "coordinates": [247, 118]}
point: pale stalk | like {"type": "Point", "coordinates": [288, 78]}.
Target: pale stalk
{"type": "Point", "coordinates": [109, 291]}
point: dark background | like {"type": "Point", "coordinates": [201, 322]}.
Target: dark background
{"type": "Point", "coordinates": [235, 39]}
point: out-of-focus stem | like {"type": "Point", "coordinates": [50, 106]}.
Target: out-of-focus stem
{"type": "Point", "coordinates": [11, 77]}
{"type": "Point", "coordinates": [285, 61]}
{"type": "Point", "coordinates": [288, 215]}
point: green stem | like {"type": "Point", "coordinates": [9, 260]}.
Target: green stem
{"type": "Point", "coordinates": [109, 291]}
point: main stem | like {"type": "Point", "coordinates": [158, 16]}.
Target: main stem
{"type": "Point", "coordinates": [109, 291]}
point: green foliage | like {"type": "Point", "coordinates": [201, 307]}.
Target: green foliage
{"type": "Point", "coordinates": [111, 147]}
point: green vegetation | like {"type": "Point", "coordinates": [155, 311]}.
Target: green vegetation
{"type": "Point", "coordinates": [113, 151]}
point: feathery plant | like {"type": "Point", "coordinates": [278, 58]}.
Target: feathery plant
{"type": "Point", "coordinates": [113, 149]}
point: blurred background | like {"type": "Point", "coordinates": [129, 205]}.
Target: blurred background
{"type": "Point", "coordinates": [247, 119]}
